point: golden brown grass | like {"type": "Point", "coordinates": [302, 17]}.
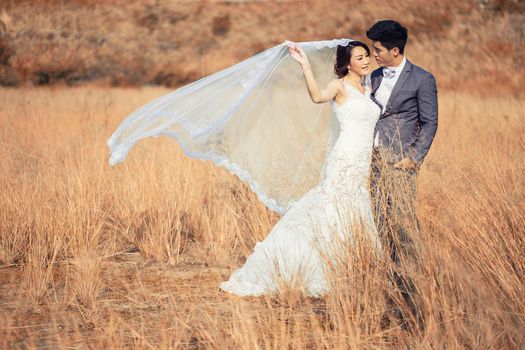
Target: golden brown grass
{"type": "Point", "coordinates": [131, 256]}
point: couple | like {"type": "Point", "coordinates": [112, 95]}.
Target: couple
{"type": "Point", "coordinates": [386, 123]}
{"type": "Point", "coordinates": [389, 127]}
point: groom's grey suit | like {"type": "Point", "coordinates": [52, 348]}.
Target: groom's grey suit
{"type": "Point", "coordinates": [409, 122]}
{"type": "Point", "coordinates": [406, 128]}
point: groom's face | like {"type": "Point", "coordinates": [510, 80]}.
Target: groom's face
{"type": "Point", "coordinates": [383, 56]}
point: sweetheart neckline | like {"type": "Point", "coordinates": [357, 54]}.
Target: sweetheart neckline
{"type": "Point", "coordinates": [356, 89]}
{"type": "Point", "coordinates": [349, 99]}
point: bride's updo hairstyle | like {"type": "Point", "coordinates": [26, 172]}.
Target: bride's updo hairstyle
{"type": "Point", "coordinates": [344, 53]}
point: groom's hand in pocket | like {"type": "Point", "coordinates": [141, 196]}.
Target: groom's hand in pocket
{"type": "Point", "coordinates": [405, 164]}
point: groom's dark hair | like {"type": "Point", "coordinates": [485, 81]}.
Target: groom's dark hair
{"type": "Point", "coordinates": [390, 34]}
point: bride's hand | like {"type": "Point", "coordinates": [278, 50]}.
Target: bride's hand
{"type": "Point", "coordinates": [299, 55]}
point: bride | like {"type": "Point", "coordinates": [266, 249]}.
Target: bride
{"type": "Point", "coordinates": [307, 161]}
{"type": "Point", "coordinates": [293, 252]}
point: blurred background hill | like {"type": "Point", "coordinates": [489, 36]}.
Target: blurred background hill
{"type": "Point", "coordinates": [475, 45]}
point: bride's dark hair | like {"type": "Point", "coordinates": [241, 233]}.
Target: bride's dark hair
{"type": "Point", "coordinates": [343, 56]}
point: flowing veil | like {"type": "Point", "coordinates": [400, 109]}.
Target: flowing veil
{"type": "Point", "coordinates": [255, 119]}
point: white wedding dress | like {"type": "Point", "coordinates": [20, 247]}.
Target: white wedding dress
{"type": "Point", "coordinates": [295, 248]}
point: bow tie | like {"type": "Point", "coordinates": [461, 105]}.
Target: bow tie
{"type": "Point", "coordinates": [388, 73]}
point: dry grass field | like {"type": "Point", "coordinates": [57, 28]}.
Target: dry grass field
{"type": "Point", "coordinates": [93, 256]}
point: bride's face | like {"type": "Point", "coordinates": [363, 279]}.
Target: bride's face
{"type": "Point", "coordinates": [359, 61]}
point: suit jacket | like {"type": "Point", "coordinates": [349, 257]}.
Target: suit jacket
{"type": "Point", "coordinates": [409, 123]}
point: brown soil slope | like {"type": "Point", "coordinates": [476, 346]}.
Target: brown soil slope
{"type": "Point", "coordinates": [467, 44]}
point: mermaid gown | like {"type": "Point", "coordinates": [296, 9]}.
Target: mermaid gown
{"type": "Point", "coordinates": [297, 246]}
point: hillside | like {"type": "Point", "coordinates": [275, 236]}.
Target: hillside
{"type": "Point", "coordinates": [466, 44]}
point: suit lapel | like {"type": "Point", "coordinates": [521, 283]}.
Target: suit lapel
{"type": "Point", "coordinates": [402, 78]}
{"type": "Point", "coordinates": [376, 81]}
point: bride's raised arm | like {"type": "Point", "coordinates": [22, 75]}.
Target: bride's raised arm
{"type": "Point", "coordinates": [317, 95]}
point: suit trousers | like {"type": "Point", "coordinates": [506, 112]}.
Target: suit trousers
{"type": "Point", "coordinates": [393, 194]}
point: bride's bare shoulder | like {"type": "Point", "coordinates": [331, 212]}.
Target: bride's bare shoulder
{"type": "Point", "coordinates": [337, 81]}
{"type": "Point", "coordinates": [336, 84]}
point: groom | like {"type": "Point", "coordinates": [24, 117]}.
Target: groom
{"type": "Point", "coordinates": [408, 97]}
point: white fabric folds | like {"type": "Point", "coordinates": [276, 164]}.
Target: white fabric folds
{"type": "Point", "coordinates": [255, 119]}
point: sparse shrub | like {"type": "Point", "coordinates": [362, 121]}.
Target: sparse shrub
{"type": "Point", "coordinates": [221, 25]}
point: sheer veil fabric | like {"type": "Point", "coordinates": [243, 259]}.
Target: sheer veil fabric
{"type": "Point", "coordinates": [255, 119]}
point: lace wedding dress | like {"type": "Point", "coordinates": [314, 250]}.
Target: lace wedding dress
{"type": "Point", "coordinates": [297, 246]}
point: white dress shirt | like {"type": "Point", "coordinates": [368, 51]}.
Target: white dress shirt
{"type": "Point", "coordinates": [385, 90]}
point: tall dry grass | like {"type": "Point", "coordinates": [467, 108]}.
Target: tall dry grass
{"type": "Point", "coordinates": [131, 256]}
